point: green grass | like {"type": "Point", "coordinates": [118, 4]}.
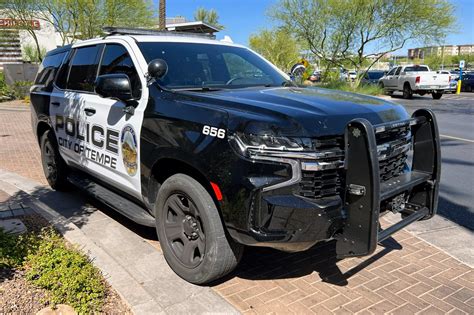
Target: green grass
{"type": "Point", "coordinates": [50, 263]}
{"type": "Point", "coordinates": [361, 89]}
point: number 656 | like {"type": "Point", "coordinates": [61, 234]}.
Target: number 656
{"type": "Point", "coordinates": [213, 132]}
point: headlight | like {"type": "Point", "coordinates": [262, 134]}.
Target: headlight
{"type": "Point", "coordinates": [252, 145]}
{"type": "Point", "coordinates": [270, 142]}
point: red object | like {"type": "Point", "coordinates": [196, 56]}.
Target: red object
{"type": "Point", "coordinates": [417, 80]}
{"type": "Point", "coordinates": [217, 191]}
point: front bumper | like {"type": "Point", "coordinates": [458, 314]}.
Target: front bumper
{"type": "Point", "coordinates": [278, 217]}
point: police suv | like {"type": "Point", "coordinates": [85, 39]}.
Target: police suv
{"type": "Point", "coordinates": [215, 147]}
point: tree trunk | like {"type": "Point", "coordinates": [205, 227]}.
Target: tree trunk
{"type": "Point", "coordinates": [162, 15]}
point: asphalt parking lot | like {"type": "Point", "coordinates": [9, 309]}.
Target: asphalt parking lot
{"type": "Point", "coordinates": [455, 115]}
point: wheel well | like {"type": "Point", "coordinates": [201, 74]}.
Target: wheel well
{"type": "Point", "coordinates": [407, 83]}
{"type": "Point", "coordinates": [166, 168]}
{"type": "Point", "coordinates": [41, 129]}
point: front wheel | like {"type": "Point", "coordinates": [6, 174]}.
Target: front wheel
{"type": "Point", "coordinates": [191, 232]}
{"type": "Point", "coordinates": [436, 95]}
{"type": "Point", "coordinates": [54, 167]}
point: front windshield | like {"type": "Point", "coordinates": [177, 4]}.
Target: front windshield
{"type": "Point", "coordinates": [192, 65]}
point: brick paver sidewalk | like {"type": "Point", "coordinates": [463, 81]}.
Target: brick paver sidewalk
{"type": "Point", "coordinates": [404, 276]}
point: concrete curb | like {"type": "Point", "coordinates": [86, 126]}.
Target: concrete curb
{"type": "Point", "coordinates": [136, 270]}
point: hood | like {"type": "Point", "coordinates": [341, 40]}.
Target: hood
{"type": "Point", "coordinates": [303, 112]}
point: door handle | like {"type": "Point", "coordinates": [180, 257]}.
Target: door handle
{"type": "Point", "coordinates": [89, 111]}
{"type": "Point", "coordinates": [55, 103]}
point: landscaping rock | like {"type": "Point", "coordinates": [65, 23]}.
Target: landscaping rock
{"type": "Point", "coordinates": [60, 309]}
{"type": "Point", "coordinates": [14, 226]}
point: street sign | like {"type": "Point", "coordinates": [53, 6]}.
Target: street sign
{"type": "Point", "coordinates": [461, 64]}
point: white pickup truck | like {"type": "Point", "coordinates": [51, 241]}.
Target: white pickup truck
{"type": "Point", "coordinates": [415, 79]}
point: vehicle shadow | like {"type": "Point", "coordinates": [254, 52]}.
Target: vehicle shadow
{"type": "Point", "coordinates": [260, 263]}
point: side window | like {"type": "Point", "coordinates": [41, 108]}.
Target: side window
{"type": "Point", "coordinates": [116, 59]}
{"type": "Point", "coordinates": [48, 69]}
{"type": "Point", "coordinates": [398, 70]}
{"type": "Point", "coordinates": [391, 72]}
{"type": "Point", "coordinates": [83, 69]}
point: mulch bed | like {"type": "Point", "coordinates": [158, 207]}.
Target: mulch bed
{"type": "Point", "coordinates": [18, 296]}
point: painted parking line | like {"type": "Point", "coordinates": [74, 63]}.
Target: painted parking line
{"type": "Point", "coordinates": [457, 138]}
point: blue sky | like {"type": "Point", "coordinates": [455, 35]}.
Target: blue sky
{"type": "Point", "coordinates": [244, 17]}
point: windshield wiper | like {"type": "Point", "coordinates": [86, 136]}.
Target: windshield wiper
{"type": "Point", "coordinates": [287, 83]}
{"type": "Point", "coordinates": [203, 89]}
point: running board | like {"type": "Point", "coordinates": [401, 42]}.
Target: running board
{"type": "Point", "coordinates": [122, 205]}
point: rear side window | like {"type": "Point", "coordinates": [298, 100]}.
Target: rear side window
{"type": "Point", "coordinates": [48, 69]}
{"type": "Point", "coordinates": [83, 69]}
{"type": "Point", "coordinates": [416, 68]}
{"type": "Point", "coordinates": [116, 59]}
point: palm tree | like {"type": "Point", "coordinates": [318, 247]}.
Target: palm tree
{"type": "Point", "coordinates": [162, 16]}
{"type": "Point", "coordinates": [209, 16]}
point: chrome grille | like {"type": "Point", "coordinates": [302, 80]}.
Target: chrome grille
{"type": "Point", "coordinates": [392, 146]}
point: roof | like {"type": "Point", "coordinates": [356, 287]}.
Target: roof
{"type": "Point", "coordinates": [195, 27]}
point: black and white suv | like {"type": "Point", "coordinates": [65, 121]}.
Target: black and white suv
{"type": "Point", "coordinates": [218, 149]}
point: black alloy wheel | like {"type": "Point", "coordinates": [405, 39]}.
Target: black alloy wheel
{"type": "Point", "coordinates": [184, 230]}
{"type": "Point", "coordinates": [54, 167]}
{"type": "Point", "coordinates": [191, 232]}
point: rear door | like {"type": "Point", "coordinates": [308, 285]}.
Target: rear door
{"type": "Point", "coordinates": [75, 80]}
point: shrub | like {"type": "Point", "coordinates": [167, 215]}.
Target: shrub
{"type": "Point", "coordinates": [21, 89]}
{"type": "Point", "coordinates": [15, 248]}
{"type": "Point", "coordinates": [6, 92]}
{"type": "Point", "coordinates": [66, 273]}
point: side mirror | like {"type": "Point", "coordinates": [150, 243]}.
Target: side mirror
{"type": "Point", "coordinates": [115, 85]}
{"type": "Point", "coordinates": [157, 68]}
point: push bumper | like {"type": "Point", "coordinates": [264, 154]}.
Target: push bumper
{"type": "Point", "coordinates": [365, 192]}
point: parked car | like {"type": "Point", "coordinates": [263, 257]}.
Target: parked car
{"type": "Point", "coordinates": [415, 79]}
{"type": "Point", "coordinates": [372, 77]}
{"type": "Point", "coordinates": [351, 75]}
{"type": "Point", "coordinates": [467, 84]}
{"type": "Point", "coordinates": [173, 133]}
{"type": "Point", "coordinates": [315, 76]}
{"type": "Point", "coordinates": [453, 83]}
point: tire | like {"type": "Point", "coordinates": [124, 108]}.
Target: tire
{"type": "Point", "coordinates": [191, 232]}
{"type": "Point", "coordinates": [54, 168]}
{"type": "Point", "coordinates": [436, 95]}
{"type": "Point", "coordinates": [407, 92]}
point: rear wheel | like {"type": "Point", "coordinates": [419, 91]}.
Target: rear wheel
{"type": "Point", "coordinates": [54, 167]}
{"type": "Point", "coordinates": [191, 232]}
{"type": "Point", "coordinates": [407, 92]}
{"type": "Point", "coordinates": [436, 95]}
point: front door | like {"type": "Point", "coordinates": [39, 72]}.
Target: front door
{"type": "Point", "coordinates": [94, 133]}
{"type": "Point", "coordinates": [114, 154]}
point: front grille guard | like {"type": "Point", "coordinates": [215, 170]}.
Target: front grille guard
{"type": "Point", "coordinates": [365, 191]}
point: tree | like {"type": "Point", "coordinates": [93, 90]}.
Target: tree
{"type": "Point", "coordinates": [82, 19]}
{"type": "Point", "coordinates": [209, 16]}
{"type": "Point", "coordinates": [277, 46]}
{"type": "Point", "coordinates": [352, 31]}
{"type": "Point", "coordinates": [162, 15]}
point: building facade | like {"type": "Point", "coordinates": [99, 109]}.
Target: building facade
{"type": "Point", "coordinates": [446, 50]}
{"type": "Point", "coordinates": [14, 38]}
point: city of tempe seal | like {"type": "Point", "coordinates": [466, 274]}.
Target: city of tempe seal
{"type": "Point", "coordinates": [128, 142]}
